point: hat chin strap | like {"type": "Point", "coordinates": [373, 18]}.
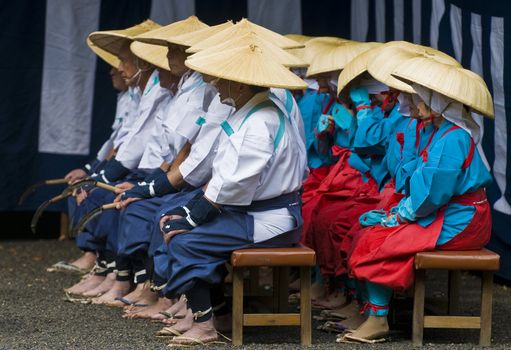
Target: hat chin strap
{"type": "Point", "coordinates": [134, 77]}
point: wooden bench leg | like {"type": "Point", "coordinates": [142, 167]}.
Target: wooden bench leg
{"type": "Point", "coordinates": [418, 308]}
{"type": "Point", "coordinates": [454, 292]}
{"type": "Point", "coordinates": [237, 306]}
{"type": "Point", "coordinates": [64, 226]}
{"type": "Point", "coordinates": [305, 306]}
{"type": "Point", "coordinates": [486, 308]}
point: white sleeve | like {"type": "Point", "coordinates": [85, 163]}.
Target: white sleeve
{"type": "Point", "coordinates": [247, 152]}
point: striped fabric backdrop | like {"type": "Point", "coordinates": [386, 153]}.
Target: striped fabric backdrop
{"type": "Point", "coordinates": [57, 103]}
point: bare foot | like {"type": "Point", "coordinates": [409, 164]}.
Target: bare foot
{"type": "Point", "coordinates": [199, 333]}
{"type": "Point", "coordinates": [335, 300]}
{"type": "Point", "coordinates": [350, 310]}
{"type": "Point", "coordinates": [179, 308]}
{"type": "Point", "coordinates": [180, 327]}
{"type": "Point", "coordinates": [86, 261]}
{"type": "Point", "coordinates": [318, 291]}
{"type": "Point", "coordinates": [138, 293]}
{"type": "Point", "coordinates": [148, 298]}
{"type": "Point", "coordinates": [118, 290]}
{"type": "Point", "coordinates": [91, 281]}
{"type": "Point", "coordinates": [153, 311]}
{"type": "Point", "coordinates": [375, 327]}
{"type": "Point", "coordinates": [354, 322]}
{"type": "Point", "coordinates": [102, 288]}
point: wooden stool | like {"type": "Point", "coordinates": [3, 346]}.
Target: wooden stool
{"type": "Point", "coordinates": [455, 261]}
{"type": "Point", "coordinates": [280, 259]}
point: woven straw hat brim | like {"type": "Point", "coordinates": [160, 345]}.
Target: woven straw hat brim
{"type": "Point", "coordinates": [166, 35]}
{"type": "Point", "coordinates": [243, 27]}
{"type": "Point", "coordinates": [112, 40]}
{"type": "Point", "coordinates": [393, 54]}
{"type": "Point", "coordinates": [331, 56]}
{"type": "Point", "coordinates": [299, 38]}
{"type": "Point", "coordinates": [281, 56]}
{"type": "Point", "coordinates": [154, 54]}
{"type": "Point", "coordinates": [190, 39]}
{"type": "Point", "coordinates": [356, 67]}
{"type": "Point", "coordinates": [316, 45]}
{"type": "Point", "coordinates": [106, 56]}
{"type": "Point", "coordinates": [247, 64]}
{"type": "Point", "coordinates": [454, 82]}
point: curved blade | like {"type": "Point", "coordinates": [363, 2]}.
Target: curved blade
{"type": "Point", "coordinates": [35, 186]}
{"type": "Point", "coordinates": [37, 215]}
{"type": "Point", "coordinates": [85, 220]}
{"type": "Point", "coordinates": [42, 208]}
{"type": "Point", "coordinates": [89, 216]}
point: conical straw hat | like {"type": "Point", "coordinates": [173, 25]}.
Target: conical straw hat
{"type": "Point", "coordinates": [393, 53]}
{"type": "Point", "coordinates": [104, 55]}
{"type": "Point", "coordinates": [243, 27]}
{"type": "Point", "coordinates": [334, 55]}
{"type": "Point", "coordinates": [281, 56]}
{"type": "Point", "coordinates": [299, 38]}
{"type": "Point", "coordinates": [190, 39]}
{"type": "Point", "coordinates": [154, 54]}
{"type": "Point", "coordinates": [165, 35]}
{"type": "Point", "coordinates": [454, 82]}
{"type": "Point", "coordinates": [248, 64]}
{"type": "Point", "coordinates": [356, 67]}
{"type": "Point", "coordinates": [112, 40]}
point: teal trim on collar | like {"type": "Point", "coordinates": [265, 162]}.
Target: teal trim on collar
{"type": "Point", "coordinates": [280, 130]}
{"type": "Point", "coordinates": [227, 128]}
{"type": "Point", "coordinates": [200, 121]}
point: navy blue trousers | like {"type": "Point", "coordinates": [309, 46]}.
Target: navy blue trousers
{"type": "Point", "coordinates": [201, 253]}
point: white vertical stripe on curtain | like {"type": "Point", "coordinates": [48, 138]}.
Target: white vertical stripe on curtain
{"type": "Point", "coordinates": [499, 102]}
{"type": "Point", "coordinates": [437, 11]}
{"type": "Point", "coordinates": [359, 19]}
{"type": "Point", "coordinates": [168, 11]}
{"type": "Point", "coordinates": [69, 67]}
{"type": "Point", "coordinates": [283, 16]}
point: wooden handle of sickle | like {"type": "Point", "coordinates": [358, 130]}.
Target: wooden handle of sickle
{"type": "Point", "coordinates": [106, 187]}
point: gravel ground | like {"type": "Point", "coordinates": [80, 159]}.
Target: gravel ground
{"type": "Point", "coordinates": [34, 316]}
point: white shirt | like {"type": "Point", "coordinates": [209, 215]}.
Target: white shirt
{"type": "Point", "coordinates": [131, 108]}
{"type": "Point", "coordinates": [153, 98]}
{"type": "Point", "coordinates": [196, 169]}
{"type": "Point", "coordinates": [262, 158]}
{"type": "Point", "coordinates": [122, 114]}
{"type": "Point", "coordinates": [186, 113]}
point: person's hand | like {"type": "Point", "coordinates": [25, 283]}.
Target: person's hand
{"type": "Point", "coordinates": [124, 186]}
{"type": "Point", "coordinates": [166, 218]}
{"type": "Point", "coordinates": [75, 176]}
{"type": "Point", "coordinates": [81, 196]}
{"type": "Point", "coordinates": [123, 203]}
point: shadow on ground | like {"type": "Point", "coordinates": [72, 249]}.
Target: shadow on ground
{"type": "Point", "coordinates": [34, 316]}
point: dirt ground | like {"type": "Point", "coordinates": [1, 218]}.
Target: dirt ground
{"type": "Point", "coordinates": [34, 316]}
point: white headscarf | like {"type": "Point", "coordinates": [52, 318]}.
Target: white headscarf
{"type": "Point", "coordinates": [450, 109]}
{"type": "Point", "coordinates": [404, 104]}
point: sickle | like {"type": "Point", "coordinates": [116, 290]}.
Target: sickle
{"type": "Point", "coordinates": [89, 216]}
{"type": "Point", "coordinates": [34, 187]}
{"type": "Point", "coordinates": [94, 183]}
{"type": "Point", "coordinates": [42, 207]}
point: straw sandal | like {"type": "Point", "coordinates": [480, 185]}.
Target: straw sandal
{"type": "Point", "coordinates": [181, 341]}
{"type": "Point", "coordinates": [168, 332]}
{"type": "Point", "coordinates": [64, 266]}
{"type": "Point", "coordinates": [349, 338]}
{"type": "Point", "coordinates": [129, 303]}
